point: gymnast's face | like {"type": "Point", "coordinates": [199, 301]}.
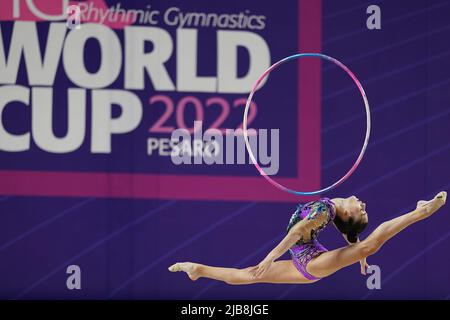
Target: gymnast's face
{"type": "Point", "coordinates": [355, 209]}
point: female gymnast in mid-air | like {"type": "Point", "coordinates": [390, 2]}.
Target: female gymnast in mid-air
{"type": "Point", "coordinates": [310, 260]}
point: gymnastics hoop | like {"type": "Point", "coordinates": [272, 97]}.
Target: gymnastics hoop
{"type": "Point", "coordinates": [249, 101]}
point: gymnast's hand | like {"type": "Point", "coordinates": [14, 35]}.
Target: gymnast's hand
{"type": "Point", "coordinates": [364, 266]}
{"type": "Point", "coordinates": [363, 263]}
{"type": "Point", "coordinates": [259, 270]}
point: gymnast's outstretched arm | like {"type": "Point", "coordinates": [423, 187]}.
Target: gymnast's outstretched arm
{"type": "Point", "coordinates": [288, 241]}
{"type": "Point", "coordinates": [301, 231]}
{"type": "Point", "coordinates": [363, 262]}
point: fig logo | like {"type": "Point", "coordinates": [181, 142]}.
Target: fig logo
{"type": "Point", "coordinates": [38, 13]}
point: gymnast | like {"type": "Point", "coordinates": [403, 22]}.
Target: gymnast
{"type": "Point", "coordinates": [310, 260]}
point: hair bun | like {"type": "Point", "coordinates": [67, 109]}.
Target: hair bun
{"type": "Point", "coordinates": [352, 237]}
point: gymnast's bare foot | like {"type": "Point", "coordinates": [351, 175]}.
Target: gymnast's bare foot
{"type": "Point", "coordinates": [191, 269]}
{"type": "Point", "coordinates": [430, 207]}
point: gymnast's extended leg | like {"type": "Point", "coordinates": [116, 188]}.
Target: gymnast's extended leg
{"type": "Point", "coordinates": [332, 261]}
{"type": "Point", "coordinates": [282, 271]}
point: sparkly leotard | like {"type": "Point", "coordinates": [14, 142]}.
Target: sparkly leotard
{"type": "Point", "coordinates": [318, 215]}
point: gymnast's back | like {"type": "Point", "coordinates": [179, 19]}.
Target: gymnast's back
{"type": "Point", "coordinates": [318, 215]}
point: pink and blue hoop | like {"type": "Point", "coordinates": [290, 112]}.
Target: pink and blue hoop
{"type": "Point", "coordinates": [366, 140]}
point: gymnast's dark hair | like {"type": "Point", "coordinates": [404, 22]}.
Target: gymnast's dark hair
{"type": "Point", "coordinates": [350, 228]}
